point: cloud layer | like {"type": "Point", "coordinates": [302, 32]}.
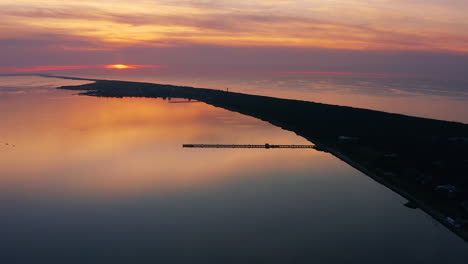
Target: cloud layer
{"type": "Point", "coordinates": [332, 24]}
{"type": "Point", "coordinates": [388, 36]}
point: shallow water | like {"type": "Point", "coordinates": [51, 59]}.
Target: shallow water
{"type": "Point", "coordinates": [97, 180]}
{"type": "Point", "coordinates": [422, 96]}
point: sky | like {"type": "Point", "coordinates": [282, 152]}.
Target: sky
{"type": "Point", "coordinates": [377, 36]}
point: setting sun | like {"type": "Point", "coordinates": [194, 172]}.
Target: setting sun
{"type": "Point", "coordinates": [120, 66]}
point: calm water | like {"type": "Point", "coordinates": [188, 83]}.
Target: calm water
{"type": "Point", "coordinates": [431, 97]}
{"type": "Point", "coordinates": [104, 180]}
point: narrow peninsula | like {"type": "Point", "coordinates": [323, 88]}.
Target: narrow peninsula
{"type": "Point", "coordinates": [423, 160]}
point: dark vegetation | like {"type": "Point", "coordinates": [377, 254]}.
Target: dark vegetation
{"type": "Point", "coordinates": [422, 159]}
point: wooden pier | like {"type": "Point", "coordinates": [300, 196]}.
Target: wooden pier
{"type": "Point", "coordinates": [183, 102]}
{"type": "Point", "coordinates": [265, 146]}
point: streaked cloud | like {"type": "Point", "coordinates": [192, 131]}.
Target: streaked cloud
{"type": "Point", "coordinates": [75, 67]}
{"type": "Point", "coordinates": [411, 25]}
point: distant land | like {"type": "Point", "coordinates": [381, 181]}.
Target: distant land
{"type": "Point", "coordinates": [423, 160]}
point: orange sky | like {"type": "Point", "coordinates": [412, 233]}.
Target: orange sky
{"type": "Point", "coordinates": [346, 24]}
{"type": "Point", "coordinates": [254, 33]}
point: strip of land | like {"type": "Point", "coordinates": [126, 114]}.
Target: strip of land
{"type": "Point", "coordinates": [424, 160]}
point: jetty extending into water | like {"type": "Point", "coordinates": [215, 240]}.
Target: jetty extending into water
{"type": "Point", "coordinates": [265, 146]}
{"type": "Point", "coordinates": [423, 160]}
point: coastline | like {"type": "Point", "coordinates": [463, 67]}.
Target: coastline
{"type": "Point", "coordinates": [394, 150]}
{"type": "Point", "coordinates": [420, 203]}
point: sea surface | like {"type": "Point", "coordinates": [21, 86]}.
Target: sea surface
{"type": "Point", "coordinates": [423, 96]}
{"type": "Point", "coordinates": [106, 180]}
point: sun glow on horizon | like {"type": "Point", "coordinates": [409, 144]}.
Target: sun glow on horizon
{"type": "Point", "coordinates": [41, 68]}
{"type": "Point", "coordinates": [120, 66]}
